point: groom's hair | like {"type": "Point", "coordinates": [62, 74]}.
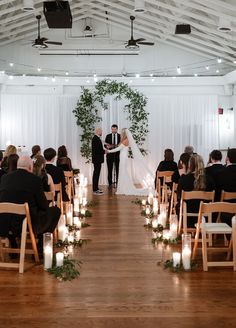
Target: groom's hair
{"type": "Point", "coordinates": [114, 126]}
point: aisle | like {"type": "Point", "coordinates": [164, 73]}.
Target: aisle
{"type": "Point", "coordinates": [120, 283]}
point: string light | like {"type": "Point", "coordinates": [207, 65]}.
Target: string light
{"type": "Point", "coordinates": [53, 79]}
{"type": "Point", "coordinates": [39, 69]}
{"type": "Point", "coordinates": [219, 60]}
{"type": "Point", "coordinates": [196, 74]}
{"type": "Point", "coordinates": [67, 73]}
{"type": "Point", "coordinates": [151, 74]}
{"type": "Point", "coordinates": [11, 64]}
{"type": "Point", "coordinates": [207, 68]}
{"type": "Point", "coordinates": [137, 75]}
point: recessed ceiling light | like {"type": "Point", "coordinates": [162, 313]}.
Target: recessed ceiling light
{"type": "Point", "coordinates": [178, 70]}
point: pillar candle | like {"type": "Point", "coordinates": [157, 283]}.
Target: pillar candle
{"type": "Point", "coordinates": [59, 259]}
{"type": "Point", "coordinates": [176, 259]}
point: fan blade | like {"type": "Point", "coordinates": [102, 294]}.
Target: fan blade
{"type": "Point", "coordinates": [146, 43]}
{"type": "Point", "coordinates": [141, 39]}
{"type": "Point", "coordinates": [54, 42]}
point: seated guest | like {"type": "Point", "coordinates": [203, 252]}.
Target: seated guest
{"type": "Point", "coordinates": [189, 150]}
{"type": "Point", "coordinates": [22, 186]}
{"type": "Point", "coordinates": [227, 180]}
{"type": "Point", "coordinates": [11, 150]}
{"type": "Point", "coordinates": [182, 167]}
{"type": "Point", "coordinates": [56, 173]}
{"type": "Point", "coordinates": [214, 170]}
{"type": "Point", "coordinates": [63, 160]}
{"type": "Point", "coordinates": [168, 164]}
{"type": "Point", "coordinates": [36, 150]}
{"type": "Point", "coordinates": [195, 179]}
{"type": "Point", "coordinates": [1, 170]}
{"type": "Point", "coordinates": [12, 162]}
{"type": "Point", "coordinates": [39, 163]}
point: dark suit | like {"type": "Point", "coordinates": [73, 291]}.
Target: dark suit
{"type": "Point", "coordinates": [58, 176]}
{"type": "Point", "coordinates": [113, 158]}
{"type": "Point", "coordinates": [215, 172]}
{"type": "Point", "coordinates": [19, 187]}
{"type": "Point", "coordinates": [97, 159]}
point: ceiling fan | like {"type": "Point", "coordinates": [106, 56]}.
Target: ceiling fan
{"type": "Point", "coordinates": [41, 43]}
{"type": "Point", "coordinates": [134, 44]}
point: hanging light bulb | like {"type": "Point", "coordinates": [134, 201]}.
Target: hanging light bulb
{"type": "Point", "coordinates": [178, 70]}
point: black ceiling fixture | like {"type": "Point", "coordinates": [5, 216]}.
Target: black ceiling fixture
{"type": "Point", "coordinates": [57, 14]}
{"type": "Point", "coordinates": [43, 42]}
{"type": "Point", "coordinates": [183, 29]}
{"type": "Point", "coordinates": [134, 44]}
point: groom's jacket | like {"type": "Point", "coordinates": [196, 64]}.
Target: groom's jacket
{"type": "Point", "coordinates": [110, 141]}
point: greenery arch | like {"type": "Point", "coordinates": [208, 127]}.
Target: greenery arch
{"type": "Point", "coordinates": [87, 113]}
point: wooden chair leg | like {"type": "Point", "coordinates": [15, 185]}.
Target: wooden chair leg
{"type": "Point", "coordinates": [204, 247]}
{"type": "Point", "coordinates": [22, 246]}
{"type": "Point", "coordinates": [196, 242]}
{"type": "Point", "coordinates": [234, 241]}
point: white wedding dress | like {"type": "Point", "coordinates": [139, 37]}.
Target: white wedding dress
{"type": "Point", "coordinates": [129, 168]}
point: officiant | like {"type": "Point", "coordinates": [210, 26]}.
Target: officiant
{"type": "Point", "coordinates": [112, 141]}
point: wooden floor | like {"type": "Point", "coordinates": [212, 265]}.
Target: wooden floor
{"type": "Point", "coordinates": [120, 284]}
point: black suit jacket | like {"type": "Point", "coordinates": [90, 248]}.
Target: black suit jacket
{"type": "Point", "coordinates": [110, 141]}
{"type": "Point", "coordinates": [19, 187]}
{"type": "Point", "coordinates": [215, 172]}
{"type": "Point", "coordinates": [227, 180]}
{"type": "Point", "coordinates": [97, 150]}
{"type": "Point", "coordinates": [58, 176]}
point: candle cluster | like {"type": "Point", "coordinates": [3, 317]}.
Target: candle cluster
{"type": "Point", "coordinates": [69, 225]}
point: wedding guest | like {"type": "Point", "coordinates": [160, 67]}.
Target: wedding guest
{"type": "Point", "coordinates": [189, 150]}
{"type": "Point", "coordinates": [97, 159]}
{"type": "Point", "coordinates": [63, 160]}
{"type": "Point", "coordinates": [168, 164]}
{"type": "Point", "coordinates": [195, 179]}
{"type": "Point", "coordinates": [23, 186]}
{"type": "Point", "coordinates": [182, 167]}
{"type": "Point", "coordinates": [215, 170]}
{"type": "Point", "coordinates": [10, 150]}
{"type": "Point", "coordinates": [39, 163]}
{"type": "Point", "coordinates": [12, 163]}
{"type": "Point", "coordinates": [2, 172]}
{"type": "Point", "coordinates": [36, 150]}
{"type": "Point", "coordinates": [227, 179]}
{"type": "Point", "coordinates": [56, 173]}
{"type": "Point", "coordinates": [112, 140]}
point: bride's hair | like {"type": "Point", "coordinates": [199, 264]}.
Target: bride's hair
{"type": "Point", "coordinates": [123, 134]}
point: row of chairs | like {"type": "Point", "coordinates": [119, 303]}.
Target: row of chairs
{"type": "Point", "coordinates": [27, 242]}
{"type": "Point", "coordinates": [206, 209]}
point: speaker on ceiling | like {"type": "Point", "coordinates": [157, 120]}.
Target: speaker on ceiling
{"type": "Point", "coordinates": [57, 14]}
{"type": "Point", "coordinates": [183, 29]}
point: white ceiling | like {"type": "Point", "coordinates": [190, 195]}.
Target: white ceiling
{"type": "Point", "coordinates": [157, 24]}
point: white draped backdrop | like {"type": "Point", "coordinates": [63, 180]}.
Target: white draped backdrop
{"type": "Point", "coordinates": [174, 122]}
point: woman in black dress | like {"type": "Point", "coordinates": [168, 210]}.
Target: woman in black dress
{"type": "Point", "coordinates": [63, 160]}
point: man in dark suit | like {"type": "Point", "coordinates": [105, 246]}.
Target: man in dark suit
{"type": "Point", "coordinates": [56, 173]}
{"type": "Point", "coordinates": [111, 141]}
{"type": "Point", "coordinates": [97, 159]}
{"type": "Point", "coordinates": [23, 186]}
{"type": "Point", "coordinates": [215, 170]}
{"type": "Point", "coordinates": [227, 181]}
{"type": "Point", "coordinates": [2, 172]}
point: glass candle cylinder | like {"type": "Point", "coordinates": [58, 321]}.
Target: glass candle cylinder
{"type": "Point", "coordinates": [176, 259]}
{"type": "Point", "coordinates": [173, 226]}
{"type": "Point", "coordinates": [154, 224]}
{"type": "Point", "coordinates": [166, 234]}
{"type": "Point", "coordinates": [144, 202]}
{"type": "Point", "coordinates": [76, 204]}
{"type": "Point", "coordinates": [61, 227]}
{"type": "Point", "coordinates": [69, 215]}
{"type": "Point", "coordinates": [150, 198]}
{"type": "Point", "coordinates": [59, 259]}
{"type": "Point", "coordinates": [47, 250]}
{"type": "Point", "coordinates": [186, 251]}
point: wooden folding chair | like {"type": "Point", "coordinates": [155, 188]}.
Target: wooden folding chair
{"type": "Point", "coordinates": [50, 195]}
{"type": "Point", "coordinates": [173, 200]}
{"type": "Point", "coordinates": [69, 177]}
{"type": "Point", "coordinates": [226, 196]}
{"type": "Point", "coordinates": [19, 209]}
{"type": "Point", "coordinates": [59, 202]}
{"type": "Point", "coordinates": [183, 214]}
{"type": "Point", "coordinates": [207, 229]}
{"type": "Point", "coordinates": [163, 177]}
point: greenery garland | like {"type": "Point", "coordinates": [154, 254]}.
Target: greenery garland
{"type": "Point", "coordinates": [87, 113]}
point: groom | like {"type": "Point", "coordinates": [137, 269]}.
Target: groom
{"type": "Point", "coordinates": [111, 141]}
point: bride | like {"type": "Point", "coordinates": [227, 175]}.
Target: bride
{"type": "Point", "coordinates": [143, 176]}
